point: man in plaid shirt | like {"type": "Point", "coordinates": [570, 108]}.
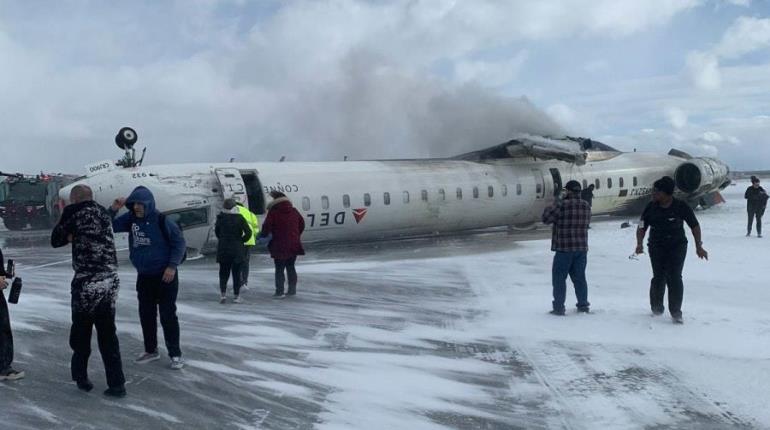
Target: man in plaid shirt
{"type": "Point", "coordinates": [570, 217]}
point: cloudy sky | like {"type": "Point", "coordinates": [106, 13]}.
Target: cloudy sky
{"type": "Point", "coordinates": [208, 80]}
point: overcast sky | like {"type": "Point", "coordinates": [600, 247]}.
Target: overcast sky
{"type": "Point", "coordinates": [208, 80]}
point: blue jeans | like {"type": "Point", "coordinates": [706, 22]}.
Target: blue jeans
{"type": "Point", "coordinates": [572, 264]}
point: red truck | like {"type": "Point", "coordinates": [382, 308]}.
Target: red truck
{"type": "Point", "coordinates": [31, 200]}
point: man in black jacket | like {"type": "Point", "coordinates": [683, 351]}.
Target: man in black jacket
{"type": "Point", "coordinates": [756, 201]}
{"type": "Point", "coordinates": [88, 226]}
{"type": "Point", "coordinates": [7, 373]}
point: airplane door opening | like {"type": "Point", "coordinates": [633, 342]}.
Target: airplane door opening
{"type": "Point", "coordinates": [232, 185]}
{"type": "Point", "coordinates": [254, 191]}
{"type": "Point", "coordinates": [557, 185]}
{"type": "Point", "coordinates": [539, 183]}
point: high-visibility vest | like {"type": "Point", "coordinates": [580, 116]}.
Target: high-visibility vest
{"type": "Point", "coordinates": [253, 223]}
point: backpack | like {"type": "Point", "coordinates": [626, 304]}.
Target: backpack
{"type": "Point", "coordinates": [164, 232]}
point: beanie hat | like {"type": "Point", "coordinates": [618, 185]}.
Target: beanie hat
{"type": "Point", "coordinates": [573, 186]}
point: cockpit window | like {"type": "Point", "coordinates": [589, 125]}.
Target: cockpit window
{"type": "Point", "coordinates": [189, 218]}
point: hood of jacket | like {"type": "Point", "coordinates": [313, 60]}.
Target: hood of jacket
{"type": "Point", "coordinates": [144, 196]}
{"type": "Point", "coordinates": [281, 204]}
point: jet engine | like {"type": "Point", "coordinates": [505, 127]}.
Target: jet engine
{"type": "Point", "coordinates": [701, 176]}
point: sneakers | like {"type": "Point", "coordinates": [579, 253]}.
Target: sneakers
{"type": "Point", "coordinates": [657, 311]}
{"type": "Point", "coordinates": [584, 310]}
{"type": "Point", "coordinates": [177, 363]}
{"type": "Point", "coordinates": [10, 374]}
{"type": "Point", "coordinates": [559, 313]}
{"type": "Point", "coordinates": [223, 299]}
{"type": "Point", "coordinates": [245, 287]}
{"type": "Point", "coordinates": [237, 299]}
{"type": "Point", "coordinates": [279, 296]}
{"type": "Point", "coordinates": [147, 357]}
{"type": "Point", "coordinates": [291, 294]}
{"type": "Point", "coordinates": [85, 385]}
{"type": "Point", "coordinates": [117, 392]}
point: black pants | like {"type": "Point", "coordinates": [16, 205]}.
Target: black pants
{"type": "Point", "coordinates": [155, 295]}
{"type": "Point", "coordinates": [225, 268]}
{"type": "Point", "coordinates": [107, 339]}
{"type": "Point", "coordinates": [755, 212]}
{"type": "Point", "coordinates": [667, 264]}
{"type": "Point", "coordinates": [245, 266]}
{"type": "Point", "coordinates": [288, 266]}
{"type": "Point", "coordinates": [6, 337]}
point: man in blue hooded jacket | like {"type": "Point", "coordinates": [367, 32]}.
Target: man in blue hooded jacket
{"type": "Point", "coordinates": [155, 250]}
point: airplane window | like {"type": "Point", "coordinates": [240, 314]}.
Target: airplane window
{"type": "Point", "coordinates": [386, 198]}
{"type": "Point", "coordinates": [620, 182]}
{"type": "Point", "coordinates": [324, 202]}
{"type": "Point", "coordinates": [424, 195]}
{"type": "Point", "coordinates": [490, 191]}
{"type": "Point", "coordinates": [441, 194]}
{"type": "Point", "coordinates": [367, 199]}
{"type": "Point", "coordinates": [505, 190]}
{"type": "Point", "coordinates": [346, 200]}
{"type": "Point", "coordinates": [635, 181]}
{"type": "Point", "coordinates": [189, 218]}
{"type": "Point", "coordinates": [518, 189]}
{"type": "Point", "coordinates": [539, 188]}
{"type": "Point", "coordinates": [475, 192]}
{"type": "Point", "coordinates": [609, 182]}
{"type": "Point", "coordinates": [598, 184]}
{"type": "Point", "coordinates": [459, 193]}
{"type": "Point", "coordinates": [305, 203]}
{"type": "Point", "coordinates": [406, 196]}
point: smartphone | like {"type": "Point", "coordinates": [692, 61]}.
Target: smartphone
{"type": "Point", "coordinates": [13, 297]}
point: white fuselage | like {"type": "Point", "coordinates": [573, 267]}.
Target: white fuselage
{"type": "Point", "coordinates": [364, 200]}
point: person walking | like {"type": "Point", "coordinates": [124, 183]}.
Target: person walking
{"type": "Point", "coordinates": [756, 201]}
{"type": "Point", "coordinates": [94, 288]}
{"type": "Point", "coordinates": [285, 224]}
{"type": "Point", "coordinates": [570, 215]}
{"type": "Point", "coordinates": [7, 373]}
{"type": "Point", "coordinates": [156, 247]}
{"type": "Point", "coordinates": [232, 232]}
{"type": "Point", "coordinates": [665, 217]}
{"type": "Point", "coordinates": [253, 223]}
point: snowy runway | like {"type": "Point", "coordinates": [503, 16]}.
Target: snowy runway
{"type": "Point", "coordinates": [421, 334]}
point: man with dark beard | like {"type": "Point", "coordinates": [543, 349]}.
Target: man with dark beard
{"type": "Point", "coordinates": [88, 226]}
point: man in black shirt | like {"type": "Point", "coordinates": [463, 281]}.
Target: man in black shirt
{"type": "Point", "coordinates": [667, 244]}
{"type": "Point", "coordinates": [756, 201]}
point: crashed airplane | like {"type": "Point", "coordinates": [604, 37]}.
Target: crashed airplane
{"type": "Point", "coordinates": [505, 185]}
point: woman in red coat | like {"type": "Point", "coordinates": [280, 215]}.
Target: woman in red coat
{"type": "Point", "coordinates": [285, 224]}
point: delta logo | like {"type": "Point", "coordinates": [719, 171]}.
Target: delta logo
{"type": "Point", "coordinates": [359, 214]}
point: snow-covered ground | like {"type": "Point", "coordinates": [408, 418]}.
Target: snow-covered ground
{"type": "Point", "coordinates": [422, 334]}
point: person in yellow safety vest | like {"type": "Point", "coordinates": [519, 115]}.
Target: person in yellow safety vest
{"type": "Point", "coordinates": [253, 223]}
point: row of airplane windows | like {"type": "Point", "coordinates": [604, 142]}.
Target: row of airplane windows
{"type": "Point", "coordinates": [442, 194]}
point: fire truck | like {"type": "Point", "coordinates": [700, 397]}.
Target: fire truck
{"type": "Point", "coordinates": [31, 201]}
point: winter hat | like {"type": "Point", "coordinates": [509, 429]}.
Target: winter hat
{"type": "Point", "coordinates": [665, 185]}
{"type": "Point", "coordinates": [229, 204]}
{"type": "Point", "coordinates": [573, 186]}
{"type": "Point", "coordinates": [754, 179]}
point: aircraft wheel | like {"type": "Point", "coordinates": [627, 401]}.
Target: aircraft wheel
{"type": "Point", "coordinates": [126, 138]}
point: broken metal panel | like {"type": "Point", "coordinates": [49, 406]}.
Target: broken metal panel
{"type": "Point", "coordinates": [568, 149]}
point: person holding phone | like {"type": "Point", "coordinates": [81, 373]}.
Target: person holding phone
{"type": "Point", "coordinates": [7, 373]}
